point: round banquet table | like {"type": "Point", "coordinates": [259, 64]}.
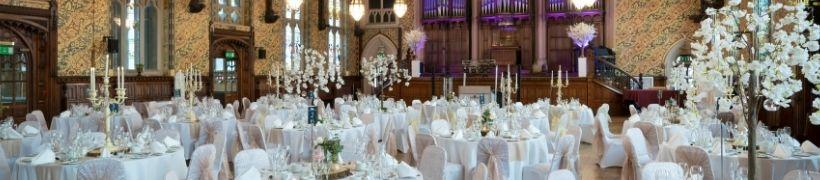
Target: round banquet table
{"type": "Point", "coordinates": [768, 167]}
{"type": "Point", "coordinates": [154, 167]}
{"type": "Point", "coordinates": [352, 139]}
{"type": "Point", "coordinates": [15, 148]}
{"type": "Point", "coordinates": [522, 153]}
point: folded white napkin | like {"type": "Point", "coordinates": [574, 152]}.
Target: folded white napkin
{"type": "Point", "coordinates": [458, 134]}
{"type": "Point", "coordinates": [781, 151]}
{"type": "Point", "coordinates": [11, 134]}
{"type": "Point", "coordinates": [288, 125]}
{"type": "Point", "coordinates": [65, 114]}
{"type": "Point", "coordinates": [357, 121]}
{"type": "Point", "coordinates": [524, 133]}
{"type": "Point", "coordinates": [810, 148]}
{"type": "Point", "coordinates": [405, 171]}
{"type": "Point", "coordinates": [158, 147]}
{"type": "Point", "coordinates": [172, 119]}
{"type": "Point", "coordinates": [274, 122]}
{"type": "Point", "coordinates": [250, 174]}
{"type": "Point", "coordinates": [45, 156]}
{"type": "Point", "coordinates": [30, 131]}
{"type": "Point", "coordinates": [157, 117]}
{"type": "Point", "coordinates": [533, 130]}
{"type": "Point", "coordinates": [170, 142]}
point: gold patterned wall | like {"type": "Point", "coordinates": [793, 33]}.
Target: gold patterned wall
{"type": "Point", "coordinates": [81, 26]}
{"type": "Point", "coordinates": [268, 36]}
{"type": "Point", "coordinates": [191, 36]}
{"type": "Point", "coordinates": [645, 30]}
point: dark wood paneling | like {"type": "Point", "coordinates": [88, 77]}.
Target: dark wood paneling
{"type": "Point", "coordinates": [138, 89]}
{"type": "Point", "coordinates": [532, 89]}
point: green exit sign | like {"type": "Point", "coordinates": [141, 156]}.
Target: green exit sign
{"type": "Point", "coordinates": [6, 48]}
{"type": "Point", "coordinates": [230, 54]}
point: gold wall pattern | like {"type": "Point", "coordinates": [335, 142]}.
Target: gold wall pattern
{"type": "Point", "coordinates": [646, 30]}
{"type": "Point", "coordinates": [191, 43]}
{"type": "Point", "coordinates": [268, 36]}
{"type": "Point", "coordinates": [81, 25]}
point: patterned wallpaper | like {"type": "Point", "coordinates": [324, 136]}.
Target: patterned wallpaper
{"type": "Point", "coordinates": [268, 36]}
{"type": "Point", "coordinates": [191, 36]}
{"type": "Point", "coordinates": [81, 25]}
{"type": "Point", "coordinates": [644, 35]}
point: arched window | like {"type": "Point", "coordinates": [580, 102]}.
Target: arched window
{"type": "Point", "coordinates": [137, 26]}
{"type": "Point", "coordinates": [293, 38]}
{"type": "Point", "coordinates": [335, 45]}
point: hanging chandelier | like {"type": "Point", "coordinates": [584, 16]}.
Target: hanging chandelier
{"type": "Point", "coordinates": [581, 4]}
{"type": "Point", "coordinates": [294, 4]}
{"type": "Point", "coordinates": [357, 9]}
{"type": "Point", "coordinates": [400, 8]}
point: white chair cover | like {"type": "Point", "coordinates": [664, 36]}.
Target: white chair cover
{"type": "Point", "coordinates": [637, 154]}
{"type": "Point", "coordinates": [795, 174]}
{"type": "Point", "coordinates": [208, 131]}
{"type": "Point", "coordinates": [422, 142]}
{"type": "Point", "coordinates": [411, 136]}
{"type": "Point", "coordinates": [222, 167]}
{"type": "Point", "coordinates": [38, 115]}
{"type": "Point", "coordinates": [494, 153]}
{"type": "Point", "coordinates": [29, 123]}
{"type": "Point", "coordinates": [101, 169]}
{"type": "Point", "coordinates": [573, 154]}
{"type": "Point", "coordinates": [610, 148]}
{"type": "Point", "coordinates": [633, 110]}
{"type": "Point", "coordinates": [246, 159]}
{"type": "Point", "coordinates": [171, 175]}
{"type": "Point", "coordinates": [434, 165]}
{"type": "Point", "coordinates": [561, 175]}
{"type": "Point", "coordinates": [202, 162]}
{"type": "Point", "coordinates": [650, 132]}
{"type": "Point", "coordinates": [653, 171]}
{"type": "Point", "coordinates": [251, 136]}
{"type": "Point", "coordinates": [693, 156]}
{"type": "Point", "coordinates": [479, 172]}
{"type": "Point", "coordinates": [5, 169]}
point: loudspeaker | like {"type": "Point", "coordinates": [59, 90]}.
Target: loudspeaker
{"type": "Point", "coordinates": [261, 53]}
{"type": "Point", "coordinates": [112, 45]}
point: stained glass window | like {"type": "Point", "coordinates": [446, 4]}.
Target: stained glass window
{"type": "Point", "coordinates": [335, 33]}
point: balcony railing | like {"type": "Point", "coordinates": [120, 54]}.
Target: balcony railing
{"type": "Point", "coordinates": [612, 76]}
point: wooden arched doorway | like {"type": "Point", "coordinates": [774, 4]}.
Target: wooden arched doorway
{"type": "Point", "coordinates": [27, 74]}
{"type": "Point", "coordinates": [231, 65]}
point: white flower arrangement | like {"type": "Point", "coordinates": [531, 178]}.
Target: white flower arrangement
{"type": "Point", "coordinates": [315, 73]}
{"type": "Point", "coordinates": [581, 34]}
{"type": "Point", "coordinates": [719, 56]}
{"type": "Point", "coordinates": [414, 39]}
{"type": "Point", "coordinates": [384, 71]}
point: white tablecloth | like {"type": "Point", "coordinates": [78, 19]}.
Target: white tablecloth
{"type": "Point", "coordinates": [135, 169]}
{"type": "Point", "coordinates": [768, 168]}
{"type": "Point", "coordinates": [353, 139]}
{"type": "Point", "coordinates": [15, 148]}
{"type": "Point", "coordinates": [522, 153]}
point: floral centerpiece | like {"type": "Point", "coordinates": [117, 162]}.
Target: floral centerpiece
{"type": "Point", "coordinates": [331, 148]}
{"type": "Point", "coordinates": [487, 118]}
{"type": "Point", "coordinates": [736, 50]}
{"type": "Point", "coordinates": [383, 71]}
{"type": "Point", "coordinates": [581, 34]}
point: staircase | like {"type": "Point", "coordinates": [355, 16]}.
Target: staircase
{"type": "Point", "coordinates": [612, 77]}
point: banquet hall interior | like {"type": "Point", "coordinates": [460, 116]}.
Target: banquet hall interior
{"type": "Point", "coordinates": [409, 89]}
